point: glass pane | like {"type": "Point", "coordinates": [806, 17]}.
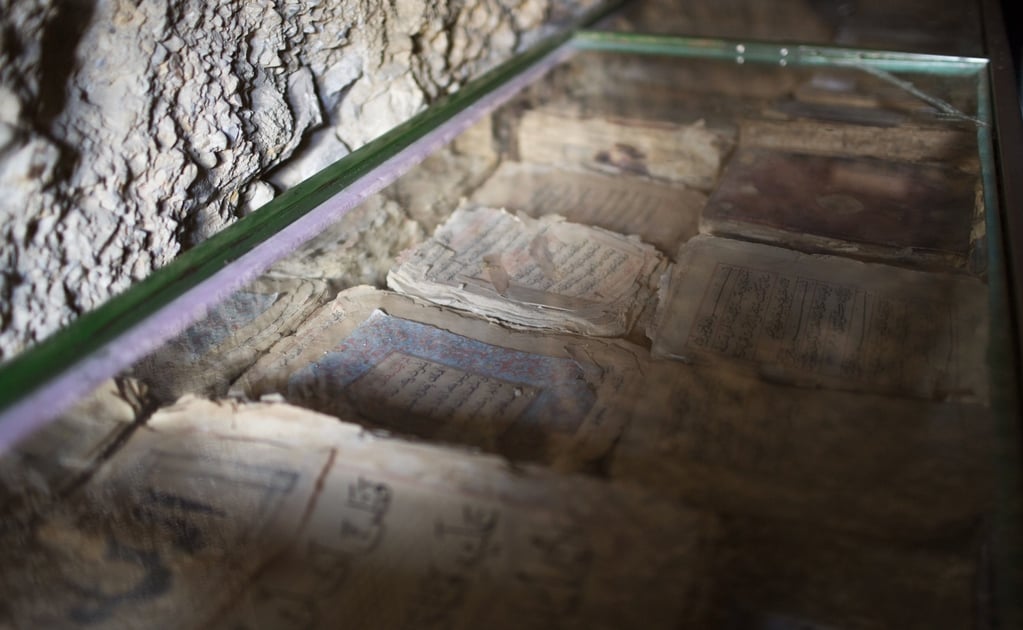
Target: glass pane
{"type": "Point", "coordinates": [661, 342]}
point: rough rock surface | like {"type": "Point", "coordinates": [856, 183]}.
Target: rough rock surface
{"type": "Point", "coordinates": [130, 130]}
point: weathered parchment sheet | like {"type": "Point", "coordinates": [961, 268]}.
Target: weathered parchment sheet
{"type": "Point", "coordinates": [664, 215]}
{"type": "Point", "coordinates": [220, 515]}
{"type": "Point", "coordinates": [543, 273]}
{"type": "Point", "coordinates": [50, 460]}
{"type": "Point", "coordinates": [211, 353]}
{"type": "Point", "coordinates": [888, 467]}
{"type": "Point", "coordinates": [913, 213]}
{"type": "Point", "coordinates": [824, 321]}
{"type": "Point", "coordinates": [417, 369]}
{"type": "Point", "coordinates": [687, 154]}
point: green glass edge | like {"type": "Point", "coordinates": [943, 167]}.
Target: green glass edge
{"type": "Point", "coordinates": [1007, 560]}
{"type": "Point", "coordinates": [774, 52]}
{"type": "Point", "coordinates": [58, 353]}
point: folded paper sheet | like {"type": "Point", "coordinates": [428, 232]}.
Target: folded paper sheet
{"type": "Point", "coordinates": [219, 515]}
{"type": "Point", "coordinates": [543, 273]}
{"type": "Point", "coordinates": [824, 321]}
{"type": "Point", "coordinates": [417, 369]}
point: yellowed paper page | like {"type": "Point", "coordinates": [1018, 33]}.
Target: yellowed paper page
{"type": "Point", "coordinates": [56, 456]}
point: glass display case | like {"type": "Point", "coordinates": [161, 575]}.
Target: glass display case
{"type": "Point", "coordinates": [636, 331]}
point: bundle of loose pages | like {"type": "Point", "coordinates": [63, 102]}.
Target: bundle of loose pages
{"type": "Point", "coordinates": [541, 273]}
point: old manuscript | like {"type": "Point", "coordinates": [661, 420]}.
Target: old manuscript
{"type": "Point", "coordinates": [687, 154]}
{"type": "Point", "coordinates": [265, 516]}
{"type": "Point", "coordinates": [824, 321]}
{"type": "Point", "coordinates": [417, 369]}
{"type": "Point", "coordinates": [872, 208]}
{"type": "Point", "coordinates": [542, 273]}
{"type": "Point", "coordinates": [884, 466]}
{"type": "Point", "coordinates": [663, 215]}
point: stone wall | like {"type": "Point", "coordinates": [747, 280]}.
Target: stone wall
{"type": "Point", "coordinates": [133, 129]}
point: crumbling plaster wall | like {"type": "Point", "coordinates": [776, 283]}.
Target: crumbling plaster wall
{"type": "Point", "coordinates": [132, 129]}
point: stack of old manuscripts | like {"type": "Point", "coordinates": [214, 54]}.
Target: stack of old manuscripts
{"type": "Point", "coordinates": [854, 462]}
{"type": "Point", "coordinates": [541, 273]}
{"type": "Point", "coordinates": [837, 411]}
{"type": "Point", "coordinates": [229, 515]}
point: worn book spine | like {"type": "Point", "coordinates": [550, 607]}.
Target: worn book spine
{"type": "Point", "coordinates": [946, 145]}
